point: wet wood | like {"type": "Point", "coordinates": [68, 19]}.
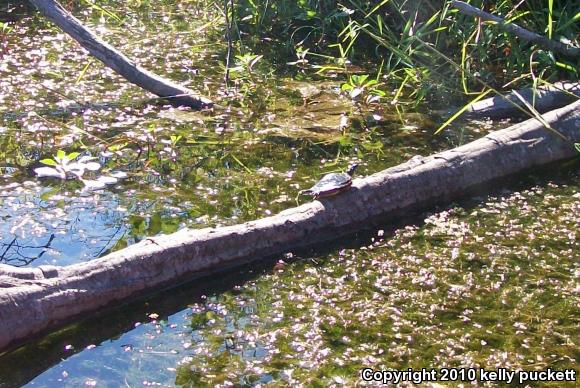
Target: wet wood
{"type": "Point", "coordinates": [117, 61]}
{"type": "Point", "coordinates": [522, 33]}
{"type": "Point", "coordinates": [543, 99]}
{"type": "Point", "coordinates": [37, 300]}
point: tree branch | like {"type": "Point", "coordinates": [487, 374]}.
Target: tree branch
{"type": "Point", "coordinates": [117, 61]}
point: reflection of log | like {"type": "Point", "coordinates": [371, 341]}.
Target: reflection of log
{"type": "Point", "coordinates": [36, 300]}
{"type": "Point", "coordinates": [117, 61]}
{"type": "Point", "coordinates": [544, 99]}
{"type": "Point", "coordinates": [542, 41]}
{"type": "Point", "coordinates": [51, 350]}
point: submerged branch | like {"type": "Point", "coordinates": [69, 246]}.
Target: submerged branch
{"type": "Point", "coordinates": [543, 99]}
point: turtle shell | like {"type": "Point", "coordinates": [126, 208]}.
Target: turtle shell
{"type": "Point", "coordinates": [331, 184]}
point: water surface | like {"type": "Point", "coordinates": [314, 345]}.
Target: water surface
{"type": "Point", "coordinates": [489, 282]}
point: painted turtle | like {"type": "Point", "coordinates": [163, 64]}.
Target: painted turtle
{"type": "Point", "coordinates": [332, 184]}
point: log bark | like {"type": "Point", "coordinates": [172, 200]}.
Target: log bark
{"type": "Point", "coordinates": [542, 41]}
{"type": "Point", "coordinates": [114, 59]}
{"type": "Point", "coordinates": [36, 300]}
{"type": "Point", "coordinates": [543, 99]}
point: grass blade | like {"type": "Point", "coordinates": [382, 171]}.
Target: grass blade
{"type": "Point", "coordinates": [460, 111]}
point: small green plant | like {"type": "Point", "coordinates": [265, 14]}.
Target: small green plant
{"type": "Point", "coordinates": [172, 150]}
{"type": "Point", "coordinates": [245, 65]}
{"type": "Point", "coordinates": [251, 83]}
{"type": "Point", "coordinates": [175, 139]}
{"type": "Point", "coordinates": [5, 29]}
{"type": "Point", "coordinates": [301, 60]}
{"type": "Point", "coordinates": [361, 88]}
{"type": "Point", "coordinates": [63, 166]}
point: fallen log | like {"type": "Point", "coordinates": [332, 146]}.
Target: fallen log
{"type": "Point", "coordinates": [543, 99]}
{"type": "Point", "coordinates": [114, 59]}
{"type": "Point", "coordinates": [36, 300]}
{"type": "Point", "coordinates": [522, 33]}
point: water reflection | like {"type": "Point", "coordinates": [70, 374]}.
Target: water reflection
{"type": "Point", "coordinates": [40, 226]}
{"type": "Point", "coordinates": [185, 169]}
{"type": "Point", "coordinates": [182, 335]}
{"type": "Point", "coordinates": [143, 341]}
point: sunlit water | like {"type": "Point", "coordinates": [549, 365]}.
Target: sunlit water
{"type": "Point", "coordinates": [491, 282]}
{"type": "Point", "coordinates": [182, 168]}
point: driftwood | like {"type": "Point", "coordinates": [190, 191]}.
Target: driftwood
{"type": "Point", "coordinates": [107, 54]}
{"type": "Point", "coordinates": [36, 300]}
{"type": "Point", "coordinates": [543, 99]}
{"type": "Point", "coordinates": [542, 41]}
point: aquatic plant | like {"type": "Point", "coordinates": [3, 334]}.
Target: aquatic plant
{"type": "Point", "coordinates": [64, 166]}
{"type": "Point", "coordinates": [360, 87]}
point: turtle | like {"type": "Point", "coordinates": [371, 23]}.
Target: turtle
{"type": "Point", "coordinates": [332, 184]}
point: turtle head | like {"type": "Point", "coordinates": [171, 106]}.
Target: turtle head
{"type": "Point", "coordinates": [351, 169]}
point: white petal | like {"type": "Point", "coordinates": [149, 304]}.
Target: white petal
{"type": "Point", "coordinates": [49, 172]}
{"type": "Point", "coordinates": [93, 185]}
{"type": "Point", "coordinates": [86, 158]}
{"type": "Point", "coordinates": [92, 166]}
{"type": "Point", "coordinates": [107, 180]}
{"type": "Point", "coordinates": [118, 174]}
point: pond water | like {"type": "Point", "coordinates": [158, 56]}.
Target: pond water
{"type": "Point", "coordinates": [489, 282]}
{"type": "Point", "coordinates": [183, 168]}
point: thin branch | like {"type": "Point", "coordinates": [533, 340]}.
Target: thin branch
{"type": "Point", "coordinates": [227, 7]}
{"type": "Point", "coordinates": [8, 248]}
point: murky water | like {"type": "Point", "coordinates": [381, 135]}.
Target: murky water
{"type": "Point", "coordinates": [489, 282]}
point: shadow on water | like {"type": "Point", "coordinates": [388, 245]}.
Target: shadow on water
{"type": "Point", "coordinates": [13, 11]}
{"type": "Point", "coordinates": [24, 364]}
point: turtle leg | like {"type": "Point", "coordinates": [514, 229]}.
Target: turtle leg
{"type": "Point", "coordinates": [302, 192]}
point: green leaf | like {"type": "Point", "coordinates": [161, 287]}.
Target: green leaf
{"type": "Point", "coordinates": [372, 82]}
{"type": "Point", "coordinates": [48, 162]}
{"type": "Point", "coordinates": [60, 155]}
{"type": "Point", "coordinates": [83, 72]}
{"type": "Point", "coordinates": [373, 146]}
{"type": "Point", "coordinates": [311, 14]}
{"type": "Point", "coordinates": [566, 66]}
{"type": "Point", "coordinates": [117, 147]}
{"type": "Point", "coordinates": [73, 155]}
{"type": "Point", "coordinates": [359, 79]}
{"type": "Point", "coordinates": [577, 146]}
{"type": "Point", "coordinates": [345, 141]}
{"type": "Point", "coordinates": [48, 194]}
